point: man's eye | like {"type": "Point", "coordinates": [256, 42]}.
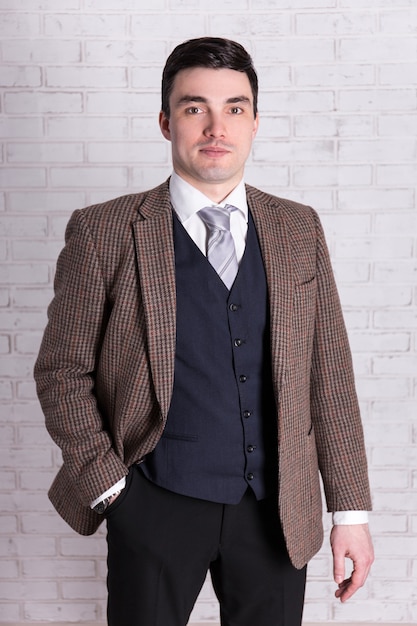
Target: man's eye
{"type": "Point", "coordinates": [235, 110]}
{"type": "Point", "coordinates": [193, 110]}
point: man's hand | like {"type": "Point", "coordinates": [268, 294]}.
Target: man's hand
{"type": "Point", "coordinates": [353, 542]}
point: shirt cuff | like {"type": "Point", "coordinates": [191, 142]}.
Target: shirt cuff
{"type": "Point", "coordinates": [350, 517]}
{"type": "Point", "coordinates": [110, 492]}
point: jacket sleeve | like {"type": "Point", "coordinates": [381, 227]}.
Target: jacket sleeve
{"type": "Point", "coordinates": [66, 366]}
{"type": "Point", "coordinates": [333, 400]}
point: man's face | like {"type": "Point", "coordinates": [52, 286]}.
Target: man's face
{"type": "Point", "coordinates": [211, 128]}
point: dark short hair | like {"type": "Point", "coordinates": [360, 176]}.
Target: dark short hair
{"type": "Point", "coordinates": [211, 52]}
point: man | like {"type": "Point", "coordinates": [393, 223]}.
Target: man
{"type": "Point", "coordinates": [196, 374]}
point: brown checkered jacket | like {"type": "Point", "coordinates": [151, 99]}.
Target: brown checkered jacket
{"type": "Point", "coordinates": [105, 368]}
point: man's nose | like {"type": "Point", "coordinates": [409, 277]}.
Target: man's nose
{"type": "Point", "coordinates": [215, 126]}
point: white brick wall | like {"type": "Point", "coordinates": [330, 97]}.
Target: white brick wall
{"type": "Point", "coordinates": [78, 116]}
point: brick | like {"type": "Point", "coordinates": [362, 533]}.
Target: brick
{"type": "Point", "coordinates": [28, 343]}
{"type": "Point", "coordinates": [87, 127]}
{"type": "Point", "coordinates": [377, 247]}
{"type": "Point", "coordinates": [9, 569]}
{"type": "Point", "coordinates": [396, 457]}
{"type": "Point", "coordinates": [44, 152]}
{"type": "Point", "coordinates": [122, 5]}
{"type": "Point", "coordinates": [378, 100]}
{"type": "Point", "coordinates": [128, 152]}
{"type": "Point", "coordinates": [110, 52]}
{"type": "Point", "coordinates": [89, 176]}
{"type": "Point", "coordinates": [11, 76]}
{"type": "Point", "coordinates": [397, 125]}
{"type": "Point", "coordinates": [120, 103]}
{"type": "Point", "coordinates": [25, 546]}
{"type": "Point", "coordinates": [22, 274]}
{"type": "Point", "coordinates": [275, 76]}
{"type": "Point", "coordinates": [398, 272]}
{"type": "Point", "coordinates": [332, 175]}
{"type": "Point", "coordinates": [43, 523]}
{"type": "Point", "coordinates": [6, 390]}
{"type": "Point", "coordinates": [390, 479]}
{"type": "Point", "coordinates": [80, 590]}
{"type": "Point", "coordinates": [178, 25]}
{"type": "Point", "coordinates": [60, 612]}
{"type": "Point", "coordinates": [42, 51]}
{"type": "Point", "coordinates": [295, 50]}
{"type": "Point", "coordinates": [273, 126]}
{"type": "Point", "coordinates": [260, 24]}
{"type": "Point", "coordinates": [58, 568]}
{"type": "Point", "coordinates": [85, 25]}
{"type": "Point", "coordinates": [387, 433]}
{"type": "Point", "coordinates": [112, 77]}
{"type": "Point", "coordinates": [19, 25]}
{"type": "Point", "coordinates": [387, 49]}
{"type": "Point", "coordinates": [377, 342]}
{"type": "Point", "coordinates": [402, 21]}
{"type": "Point", "coordinates": [396, 175]}
{"type": "Point", "coordinates": [396, 222]}
{"type": "Point", "coordinates": [398, 74]}
{"type": "Point", "coordinates": [4, 344]}
{"type": "Point", "coordinates": [333, 23]}
{"type": "Point", "coordinates": [21, 127]}
{"type": "Point", "coordinates": [290, 150]}
{"type": "Point", "coordinates": [296, 101]}
{"type": "Point", "coordinates": [36, 480]}
{"type": "Point", "coordinates": [382, 150]}
{"type": "Point", "coordinates": [62, 201]}
{"type": "Point", "coordinates": [35, 458]}
{"type": "Point", "coordinates": [396, 319]}
{"type": "Point", "coordinates": [402, 365]}
{"type": "Point", "coordinates": [333, 125]}
{"type": "Point", "coordinates": [29, 102]}
{"type": "Point", "coordinates": [16, 227]}
{"type": "Point", "coordinates": [386, 388]}
{"type": "Point", "coordinates": [30, 298]}
{"type": "Point", "coordinates": [8, 526]}
{"type": "Point", "coordinates": [296, 4]}
{"type": "Point", "coordinates": [335, 74]}
{"type": "Point", "coordinates": [22, 177]}
{"type": "Point", "coordinates": [36, 5]}
{"type": "Point", "coordinates": [376, 199]}
{"type": "Point", "coordinates": [24, 250]}
{"type": "Point", "coordinates": [83, 546]}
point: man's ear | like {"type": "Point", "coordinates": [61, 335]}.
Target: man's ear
{"type": "Point", "coordinates": [255, 125]}
{"type": "Point", "coordinates": [164, 125]}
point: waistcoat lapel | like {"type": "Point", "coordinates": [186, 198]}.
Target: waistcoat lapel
{"type": "Point", "coordinates": [153, 234]}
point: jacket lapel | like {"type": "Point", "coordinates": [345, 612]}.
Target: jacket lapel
{"type": "Point", "coordinates": [153, 233]}
{"type": "Point", "coordinates": [276, 252]}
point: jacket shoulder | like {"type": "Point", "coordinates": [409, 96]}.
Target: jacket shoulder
{"type": "Point", "coordinates": [124, 209]}
{"type": "Point", "coordinates": [298, 217]}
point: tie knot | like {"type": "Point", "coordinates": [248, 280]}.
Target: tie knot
{"type": "Point", "coordinates": [216, 217]}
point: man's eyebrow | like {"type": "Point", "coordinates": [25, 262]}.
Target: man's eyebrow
{"type": "Point", "coordinates": [233, 100]}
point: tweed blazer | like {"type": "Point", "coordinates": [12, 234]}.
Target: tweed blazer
{"type": "Point", "coordinates": [105, 369]}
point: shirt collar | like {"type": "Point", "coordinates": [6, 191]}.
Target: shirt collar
{"type": "Point", "coordinates": [188, 200]}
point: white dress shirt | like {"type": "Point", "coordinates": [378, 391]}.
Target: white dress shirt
{"type": "Point", "coordinates": [187, 201]}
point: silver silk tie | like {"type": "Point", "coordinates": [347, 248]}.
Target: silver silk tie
{"type": "Point", "coordinates": [221, 251]}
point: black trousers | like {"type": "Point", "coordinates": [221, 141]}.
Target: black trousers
{"type": "Point", "coordinates": [161, 546]}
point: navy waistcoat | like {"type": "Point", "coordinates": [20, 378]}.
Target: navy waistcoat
{"type": "Point", "coordinates": [220, 434]}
